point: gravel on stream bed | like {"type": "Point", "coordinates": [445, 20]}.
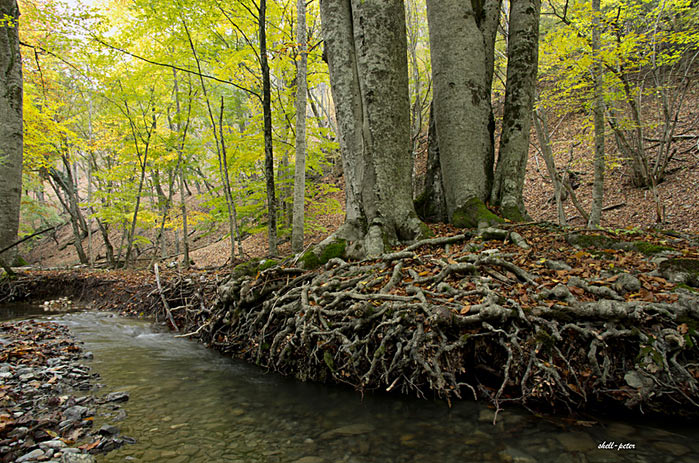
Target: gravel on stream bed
{"type": "Point", "coordinates": [48, 398]}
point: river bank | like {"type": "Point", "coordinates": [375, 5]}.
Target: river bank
{"type": "Point", "coordinates": [49, 397]}
{"type": "Point", "coordinates": [190, 404]}
{"type": "Point", "coordinates": [566, 323]}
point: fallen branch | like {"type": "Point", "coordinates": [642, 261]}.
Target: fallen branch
{"type": "Point", "coordinates": [162, 298]}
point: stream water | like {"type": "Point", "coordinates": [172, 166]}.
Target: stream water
{"type": "Point", "coordinates": [189, 404]}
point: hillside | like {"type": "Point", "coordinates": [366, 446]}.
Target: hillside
{"type": "Point", "coordinates": [632, 207]}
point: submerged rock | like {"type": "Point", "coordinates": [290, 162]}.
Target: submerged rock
{"type": "Point", "coordinates": [31, 456]}
{"type": "Point", "coordinates": [350, 430]}
{"type": "Point", "coordinates": [577, 442]}
{"type": "Point", "coordinates": [118, 396]}
{"type": "Point", "coordinates": [77, 458]}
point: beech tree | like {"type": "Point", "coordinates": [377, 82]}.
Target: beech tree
{"type": "Point", "coordinates": [367, 57]}
{"type": "Point", "coordinates": [10, 126]}
{"type": "Point", "coordinates": [462, 49]}
{"type": "Point", "coordinates": [523, 47]}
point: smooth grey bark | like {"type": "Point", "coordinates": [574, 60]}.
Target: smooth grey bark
{"type": "Point", "coordinates": [63, 182]}
{"type": "Point", "coordinates": [232, 211]}
{"type": "Point", "coordinates": [300, 161]}
{"type": "Point", "coordinates": [11, 136]}
{"type": "Point", "coordinates": [598, 116]}
{"type": "Point", "coordinates": [522, 63]}
{"type": "Point", "coordinates": [461, 103]}
{"type": "Point", "coordinates": [488, 22]}
{"type": "Point", "coordinates": [366, 50]}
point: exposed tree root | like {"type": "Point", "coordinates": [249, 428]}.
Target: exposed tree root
{"type": "Point", "coordinates": [381, 324]}
{"type": "Point", "coordinates": [453, 318]}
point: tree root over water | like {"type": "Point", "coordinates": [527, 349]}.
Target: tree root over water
{"type": "Point", "coordinates": [547, 326]}
{"type": "Point", "coordinates": [455, 326]}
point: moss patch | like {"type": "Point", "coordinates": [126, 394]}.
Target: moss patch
{"type": "Point", "coordinates": [311, 260]}
{"type": "Point", "coordinates": [592, 241]}
{"type": "Point", "coordinates": [425, 231]}
{"type": "Point", "coordinates": [269, 263]}
{"type": "Point", "coordinates": [605, 242]}
{"type": "Point", "coordinates": [248, 268]}
{"type": "Point", "coordinates": [334, 249]}
{"type": "Point", "coordinates": [649, 249]}
{"type": "Point", "coordinates": [471, 214]}
{"type": "Point", "coordinates": [513, 213]}
{"type": "Point", "coordinates": [19, 261]}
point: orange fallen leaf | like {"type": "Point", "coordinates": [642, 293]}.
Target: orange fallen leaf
{"type": "Point", "coordinates": [465, 309]}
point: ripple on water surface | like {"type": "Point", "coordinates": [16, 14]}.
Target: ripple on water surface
{"type": "Point", "coordinates": [189, 404]}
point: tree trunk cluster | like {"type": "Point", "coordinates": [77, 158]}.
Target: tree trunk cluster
{"type": "Point", "coordinates": [366, 53]}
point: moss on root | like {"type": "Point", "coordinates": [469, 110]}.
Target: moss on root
{"type": "Point", "coordinates": [265, 264]}
{"type": "Point", "coordinates": [311, 260]}
{"type": "Point", "coordinates": [606, 242]}
{"type": "Point", "coordinates": [252, 267]}
{"type": "Point", "coordinates": [649, 249]}
{"type": "Point", "coordinates": [681, 271]}
{"type": "Point", "coordinates": [513, 213]}
{"type": "Point", "coordinates": [248, 268]}
{"type": "Point", "coordinates": [425, 230]}
{"type": "Point", "coordinates": [473, 213]}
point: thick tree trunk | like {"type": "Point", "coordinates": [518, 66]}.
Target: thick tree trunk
{"type": "Point", "coordinates": [462, 108]}
{"type": "Point", "coordinates": [522, 57]}
{"type": "Point", "coordinates": [300, 162]}
{"type": "Point", "coordinates": [267, 116]}
{"type": "Point", "coordinates": [598, 115]}
{"type": "Point", "coordinates": [366, 49]}
{"type": "Point", "coordinates": [10, 127]}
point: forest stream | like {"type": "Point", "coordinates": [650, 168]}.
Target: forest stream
{"type": "Point", "coordinates": [190, 404]}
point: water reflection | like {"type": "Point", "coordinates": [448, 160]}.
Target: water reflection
{"type": "Point", "coordinates": [189, 404]}
{"type": "Point", "coordinates": [20, 311]}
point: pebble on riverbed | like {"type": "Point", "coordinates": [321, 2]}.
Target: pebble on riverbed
{"type": "Point", "coordinates": [39, 418]}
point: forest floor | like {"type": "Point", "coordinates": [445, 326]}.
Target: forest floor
{"type": "Point", "coordinates": [557, 320]}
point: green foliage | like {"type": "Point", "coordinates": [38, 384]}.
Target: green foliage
{"type": "Point", "coordinates": [647, 47]}
{"type": "Point", "coordinates": [96, 99]}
